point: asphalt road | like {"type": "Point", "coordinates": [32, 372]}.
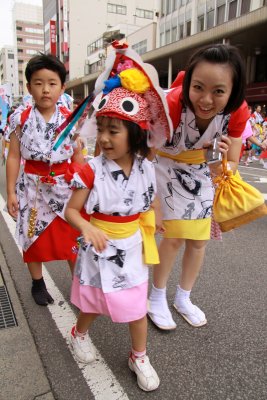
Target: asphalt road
{"type": "Point", "coordinates": [225, 360]}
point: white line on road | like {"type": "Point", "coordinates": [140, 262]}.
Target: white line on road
{"type": "Point", "coordinates": [98, 376]}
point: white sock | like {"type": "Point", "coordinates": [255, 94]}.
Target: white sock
{"type": "Point", "coordinates": [157, 293]}
{"type": "Point", "coordinates": [181, 294]}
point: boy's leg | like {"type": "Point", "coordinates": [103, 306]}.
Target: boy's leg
{"type": "Point", "coordinates": [138, 362]}
{"type": "Point", "coordinates": [39, 291]}
{"type": "Point", "coordinates": [79, 338]}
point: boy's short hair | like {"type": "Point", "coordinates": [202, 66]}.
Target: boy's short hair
{"type": "Point", "coordinates": [45, 61]}
{"type": "Point", "coordinates": [219, 54]}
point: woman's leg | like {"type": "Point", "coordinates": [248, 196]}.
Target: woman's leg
{"type": "Point", "coordinates": [147, 377]}
{"type": "Point", "coordinates": [192, 261]}
{"type": "Point", "coordinates": [39, 291]}
{"type": "Point", "coordinates": [80, 341]}
{"type": "Point", "coordinates": [158, 309]}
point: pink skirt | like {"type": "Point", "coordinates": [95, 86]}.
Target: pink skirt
{"type": "Point", "coordinates": [122, 306]}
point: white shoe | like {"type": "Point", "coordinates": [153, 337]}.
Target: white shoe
{"type": "Point", "coordinates": [191, 313]}
{"type": "Point", "coordinates": [255, 158]}
{"type": "Point", "coordinates": [159, 313]}
{"type": "Point", "coordinates": [249, 160]}
{"type": "Point", "coordinates": [82, 348]}
{"type": "Point", "coordinates": [147, 378]}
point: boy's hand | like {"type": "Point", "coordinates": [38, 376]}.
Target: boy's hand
{"type": "Point", "coordinates": [95, 236]}
{"type": "Point", "coordinates": [12, 205]}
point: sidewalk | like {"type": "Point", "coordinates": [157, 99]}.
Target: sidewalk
{"type": "Point", "coordinates": [22, 374]}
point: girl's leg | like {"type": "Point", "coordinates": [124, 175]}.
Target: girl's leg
{"type": "Point", "coordinates": [147, 377]}
{"type": "Point", "coordinates": [191, 265]}
{"type": "Point", "coordinates": [39, 291]}
{"type": "Point", "coordinates": [79, 338]}
{"type": "Point", "coordinates": [158, 309]}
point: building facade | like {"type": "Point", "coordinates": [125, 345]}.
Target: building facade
{"type": "Point", "coordinates": [7, 67]}
{"type": "Point", "coordinates": [29, 40]}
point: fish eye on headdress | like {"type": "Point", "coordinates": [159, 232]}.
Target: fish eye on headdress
{"type": "Point", "coordinates": [129, 106]}
{"type": "Point", "coordinates": [102, 103]}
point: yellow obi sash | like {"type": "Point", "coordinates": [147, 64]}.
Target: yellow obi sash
{"type": "Point", "coordinates": [119, 230]}
{"type": "Point", "coordinates": [187, 157]}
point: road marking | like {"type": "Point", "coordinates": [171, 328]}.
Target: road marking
{"type": "Point", "coordinates": [98, 376]}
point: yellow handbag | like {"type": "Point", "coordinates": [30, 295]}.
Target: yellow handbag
{"type": "Point", "coordinates": [236, 202]}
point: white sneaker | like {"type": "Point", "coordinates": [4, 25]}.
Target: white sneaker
{"type": "Point", "coordinates": [191, 313]}
{"type": "Point", "coordinates": [255, 158]}
{"type": "Point", "coordinates": [249, 160]}
{"type": "Point", "coordinates": [147, 378]}
{"type": "Point", "coordinates": [159, 313]}
{"type": "Point", "coordinates": [82, 348]}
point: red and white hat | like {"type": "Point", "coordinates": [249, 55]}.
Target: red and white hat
{"type": "Point", "coordinates": [129, 89]}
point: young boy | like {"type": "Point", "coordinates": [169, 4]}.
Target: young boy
{"type": "Point", "coordinates": [37, 200]}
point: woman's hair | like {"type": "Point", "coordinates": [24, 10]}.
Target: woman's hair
{"type": "Point", "coordinates": [219, 54]}
{"type": "Point", "coordinates": [137, 136]}
{"type": "Point", "coordinates": [45, 61]}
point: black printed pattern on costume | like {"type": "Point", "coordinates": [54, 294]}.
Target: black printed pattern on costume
{"type": "Point", "coordinates": [118, 258]}
{"type": "Point", "coordinates": [207, 209]}
{"type": "Point", "coordinates": [188, 211]}
{"type": "Point", "coordinates": [40, 227]}
{"type": "Point", "coordinates": [55, 205]}
{"type": "Point", "coordinates": [120, 178]}
{"type": "Point", "coordinates": [188, 182]}
{"type": "Point", "coordinates": [169, 198]}
{"type": "Point", "coordinates": [119, 282]}
{"type": "Point", "coordinates": [95, 281]}
{"type": "Point", "coordinates": [129, 199]}
{"type": "Point", "coordinates": [147, 196]}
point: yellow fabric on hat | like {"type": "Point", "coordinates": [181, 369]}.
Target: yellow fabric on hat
{"type": "Point", "coordinates": [134, 80]}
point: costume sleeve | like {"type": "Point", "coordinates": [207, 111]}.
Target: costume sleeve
{"type": "Point", "coordinates": [84, 179]}
{"type": "Point", "coordinates": [238, 120]}
{"type": "Point", "coordinates": [15, 117]}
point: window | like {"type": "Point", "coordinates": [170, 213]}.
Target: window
{"type": "Point", "coordinates": [141, 47]}
{"type": "Point", "coordinates": [245, 6]}
{"type": "Point", "coordinates": [181, 31]}
{"type": "Point", "coordinates": [10, 56]}
{"type": "Point", "coordinates": [35, 41]}
{"type": "Point", "coordinates": [174, 34]}
{"type": "Point", "coordinates": [117, 9]}
{"type": "Point", "coordinates": [20, 50]}
{"type": "Point", "coordinates": [19, 28]}
{"type": "Point", "coordinates": [31, 51]}
{"type": "Point", "coordinates": [34, 30]}
{"type": "Point", "coordinates": [220, 14]}
{"type": "Point", "coordinates": [200, 23]}
{"type": "Point", "coordinates": [95, 46]}
{"type": "Point", "coordinates": [232, 10]}
{"type": "Point", "coordinates": [174, 5]}
{"type": "Point", "coordinates": [168, 36]}
{"type": "Point", "coordinates": [139, 12]}
{"type": "Point", "coordinates": [210, 19]}
{"type": "Point", "coordinates": [168, 8]}
{"type": "Point", "coordinates": [188, 28]}
{"type": "Point", "coordinates": [19, 39]}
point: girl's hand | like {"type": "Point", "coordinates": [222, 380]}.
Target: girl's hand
{"type": "Point", "coordinates": [12, 205]}
{"type": "Point", "coordinates": [224, 144]}
{"type": "Point", "coordinates": [95, 236]}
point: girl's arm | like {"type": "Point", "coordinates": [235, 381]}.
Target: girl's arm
{"type": "Point", "coordinates": [72, 214]}
{"type": "Point", "coordinates": [158, 215]}
{"type": "Point", "coordinates": [12, 172]}
{"type": "Point", "coordinates": [77, 156]}
{"type": "Point", "coordinates": [230, 147]}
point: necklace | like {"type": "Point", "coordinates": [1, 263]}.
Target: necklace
{"type": "Point", "coordinates": [50, 134]}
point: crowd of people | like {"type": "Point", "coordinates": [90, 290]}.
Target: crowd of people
{"type": "Point", "coordinates": [151, 174]}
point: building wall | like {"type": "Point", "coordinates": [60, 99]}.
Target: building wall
{"type": "Point", "coordinates": [29, 40]}
{"type": "Point", "coordinates": [98, 17]}
{"type": "Point", "coordinates": [7, 66]}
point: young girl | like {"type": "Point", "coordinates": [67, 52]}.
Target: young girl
{"type": "Point", "coordinates": [206, 102]}
{"type": "Point", "coordinates": [38, 199]}
{"type": "Point", "coordinates": [118, 188]}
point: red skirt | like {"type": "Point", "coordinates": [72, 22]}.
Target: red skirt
{"type": "Point", "coordinates": [55, 243]}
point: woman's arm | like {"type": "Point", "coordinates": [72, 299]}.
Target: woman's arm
{"type": "Point", "coordinates": [72, 214]}
{"type": "Point", "coordinates": [12, 172]}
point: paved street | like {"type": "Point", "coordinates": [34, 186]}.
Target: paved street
{"type": "Point", "coordinates": [225, 360]}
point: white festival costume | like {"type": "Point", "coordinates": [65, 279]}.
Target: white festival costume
{"type": "Point", "coordinates": [120, 266]}
{"type": "Point", "coordinates": [186, 190]}
{"type": "Point", "coordinates": [36, 142]}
